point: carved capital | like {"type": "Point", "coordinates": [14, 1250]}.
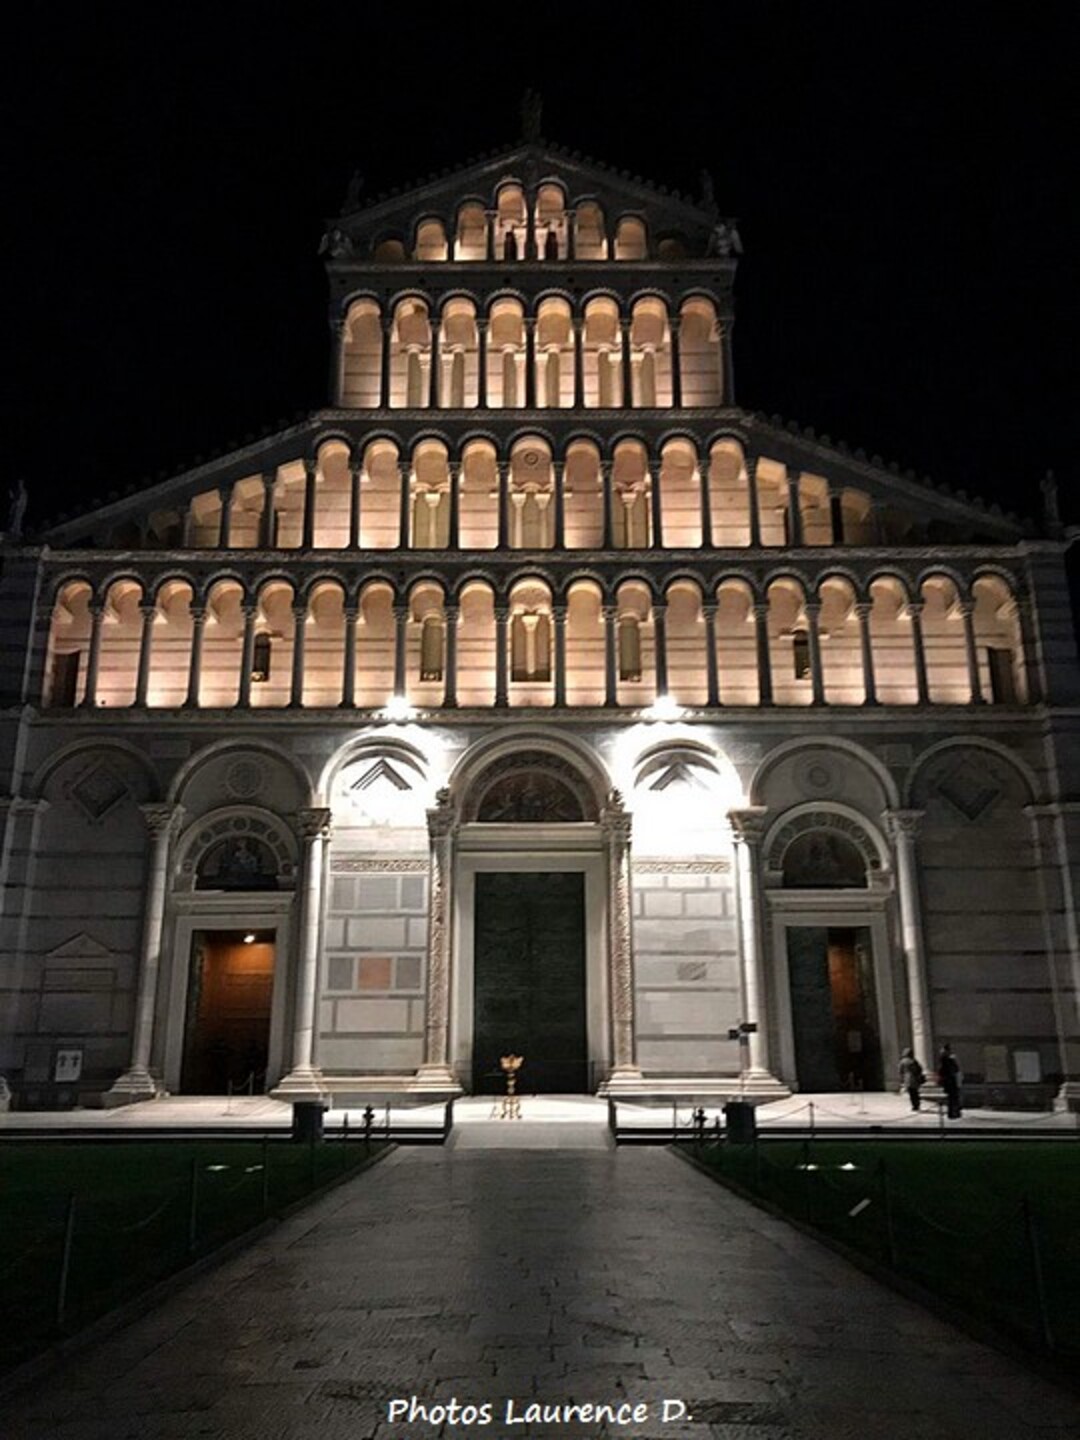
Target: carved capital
{"type": "Point", "coordinates": [616, 822]}
{"type": "Point", "coordinates": [902, 824]}
{"type": "Point", "coordinates": [442, 816]}
{"type": "Point", "coordinates": [198, 614]}
{"type": "Point", "coordinates": [313, 823]}
{"type": "Point", "coordinates": [863, 609]}
{"type": "Point", "coordinates": [748, 823]}
{"type": "Point", "coordinates": [162, 819]}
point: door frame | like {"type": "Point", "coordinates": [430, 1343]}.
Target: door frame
{"type": "Point", "coordinates": [267, 911]}
{"type": "Point", "coordinates": [827, 910]}
{"type": "Point", "coordinates": [535, 850]}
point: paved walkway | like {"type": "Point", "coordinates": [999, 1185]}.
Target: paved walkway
{"type": "Point", "coordinates": [487, 1274]}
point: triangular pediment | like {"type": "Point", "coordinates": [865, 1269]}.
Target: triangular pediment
{"type": "Point", "coordinates": [80, 947]}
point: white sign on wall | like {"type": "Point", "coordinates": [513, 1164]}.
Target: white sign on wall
{"type": "Point", "coordinates": [68, 1066]}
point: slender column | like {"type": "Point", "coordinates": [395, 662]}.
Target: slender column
{"type": "Point", "coordinates": [712, 669]}
{"type": "Point", "coordinates": [836, 517]}
{"type": "Point", "coordinates": [558, 468]}
{"type": "Point", "coordinates": [296, 697]}
{"type": "Point", "coordinates": [656, 509]}
{"type": "Point", "coordinates": [813, 631]}
{"type": "Point", "coordinates": [579, 364]}
{"type": "Point", "coordinates": [625, 367]}
{"type": "Point", "coordinates": [404, 504]}
{"type": "Point", "coordinates": [747, 826]}
{"type": "Point", "coordinates": [137, 1083]}
{"type": "Point", "coordinates": [304, 1079]}
{"type": "Point", "coordinates": [490, 217]}
{"type": "Point", "coordinates": [384, 374]}
{"type": "Point", "coordinates": [726, 361]}
{"type": "Point", "coordinates": [482, 364]}
{"type": "Point", "coordinates": [435, 373]}
{"type": "Point", "coordinates": [795, 525]}
{"type": "Point", "coordinates": [611, 642]}
{"type": "Point", "coordinates": [310, 474]}
{"type": "Point", "coordinates": [922, 684]}
{"type": "Point", "coordinates": [348, 677]}
{"type": "Point", "coordinates": [148, 610]}
{"type": "Point", "coordinates": [93, 660]}
{"type": "Point", "coordinates": [558, 615]}
{"type": "Point", "coordinates": [707, 540]}
{"type": "Point", "coordinates": [616, 826]}
{"type": "Point", "coordinates": [1029, 650]}
{"type": "Point", "coordinates": [606, 483]}
{"type": "Point", "coordinates": [753, 500]}
{"type": "Point", "coordinates": [187, 539]}
{"type": "Point", "coordinates": [356, 472]}
{"type": "Point", "coordinates": [453, 540]}
{"type": "Point", "coordinates": [502, 616]}
{"type": "Point", "coordinates": [451, 615]}
{"type": "Point", "coordinates": [401, 620]}
{"type": "Point", "coordinates": [338, 339]}
{"type": "Point", "coordinates": [863, 611]}
{"type": "Point", "coordinates": [902, 826]}
{"type": "Point", "coordinates": [247, 655]}
{"type": "Point", "coordinates": [435, 1072]}
{"type": "Point", "coordinates": [504, 504]}
{"type": "Point", "coordinates": [967, 614]}
{"type": "Point", "coordinates": [225, 523]}
{"type": "Point", "coordinates": [764, 661]}
{"type": "Point", "coordinates": [266, 519]}
{"type": "Point", "coordinates": [198, 628]}
{"type": "Point", "coordinates": [660, 647]}
{"type": "Point", "coordinates": [676, 364]}
{"type": "Point", "coordinates": [530, 363]}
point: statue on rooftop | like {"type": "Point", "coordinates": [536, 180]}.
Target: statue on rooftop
{"type": "Point", "coordinates": [17, 500]}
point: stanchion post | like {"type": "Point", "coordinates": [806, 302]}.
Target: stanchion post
{"type": "Point", "coordinates": [1031, 1231]}
{"type": "Point", "coordinates": [806, 1181]}
{"type": "Point", "coordinates": [266, 1173]}
{"type": "Point", "coordinates": [193, 1204]}
{"type": "Point", "coordinates": [811, 1104]}
{"type": "Point", "coordinates": [369, 1120]}
{"type": "Point", "coordinates": [344, 1139]}
{"type": "Point", "coordinates": [65, 1262]}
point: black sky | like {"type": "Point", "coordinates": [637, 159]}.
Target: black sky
{"type": "Point", "coordinates": [904, 178]}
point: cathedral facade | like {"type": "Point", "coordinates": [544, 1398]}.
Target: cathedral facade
{"type": "Point", "coordinates": [534, 697]}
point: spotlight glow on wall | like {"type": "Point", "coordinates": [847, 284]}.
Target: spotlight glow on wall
{"type": "Point", "coordinates": [665, 707]}
{"type": "Point", "coordinates": [399, 709]}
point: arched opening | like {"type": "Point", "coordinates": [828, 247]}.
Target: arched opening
{"type": "Point", "coordinates": [729, 494]}
{"type": "Point", "coordinates": [219, 683]}
{"type": "Point", "coordinates": [602, 341]}
{"type": "Point", "coordinates": [699, 353]}
{"type": "Point", "coordinates": [430, 508]}
{"type": "Point", "coordinates": [815, 508]}
{"type": "Point", "coordinates": [380, 497]}
{"type": "Point", "coordinates": [472, 232]}
{"type": "Point", "coordinates": [458, 355]}
{"type": "Point", "coordinates": [375, 645]}
{"type": "Point", "coordinates": [531, 660]}
{"type": "Point", "coordinates": [685, 644]}
{"type": "Point", "coordinates": [892, 643]}
{"type": "Point", "coordinates": [552, 239]}
{"type": "Point", "coordinates": [631, 497]}
{"type": "Point", "coordinates": [410, 356]}
{"type": "Point", "coordinates": [590, 235]}
{"type": "Point", "coordinates": [636, 649]}
{"type": "Point", "coordinates": [585, 683]}
{"type": "Point", "coordinates": [680, 496]}
{"type": "Point", "coordinates": [583, 496]}
{"type": "Point", "coordinates": [476, 645]}
{"type": "Point", "coordinates": [245, 520]}
{"type": "Point", "coordinates": [121, 635]}
{"type": "Point", "coordinates": [479, 499]}
{"type": "Point", "coordinates": [69, 646]}
{"type": "Point", "coordinates": [772, 498]}
{"type": "Point", "coordinates": [789, 644]}
{"type": "Point", "coordinates": [531, 496]}
{"type": "Point", "coordinates": [736, 637]}
{"type": "Point", "coordinates": [506, 355]}
{"type": "Point", "coordinates": [998, 641]}
{"type": "Point", "coordinates": [426, 664]}
{"type": "Point", "coordinates": [170, 653]}
{"type": "Point", "coordinates": [630, 239]}
{"type": "Point", "coordinates": [511, 223]}
{"type": "Point", "coordinates": [430, 241]}
{"type": "Point", "coordinates": [333, 496]}
{"type": "Point", "coordinates": [841, 645]}
{"type": "Point", "coordinates": [277, 619]}
{"type": "Point", "coordinates": [554, 355]}
{"type": "Point", "coordinates": [324, 648]}
{"type": "Point", "coordinates": [361, 362]}
{"type": "Point", "coordinates": [390, 251]}
{"type": "Point", "coordinates": [948, 682]}
{"type": "Point", "coordinates": [650, 351]}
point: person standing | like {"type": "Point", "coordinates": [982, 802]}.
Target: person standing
{"type": "Point", "coordinates": [912, 1076]}
{"type": "Point", "coordinates": [949, 1076]}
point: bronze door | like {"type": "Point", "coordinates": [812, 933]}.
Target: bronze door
{"type": "Point", "coordinates": [833, 1014]}
{"type": "Point", "coordinates": [529, 982]}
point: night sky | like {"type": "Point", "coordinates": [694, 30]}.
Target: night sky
{"type": "Point", "coordinates": [903, 177]}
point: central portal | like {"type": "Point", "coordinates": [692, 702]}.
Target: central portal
{"type": "Point", "coordinates": [529, 959]}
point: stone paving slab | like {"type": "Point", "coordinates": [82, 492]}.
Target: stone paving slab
{"type": "Point", "coordinates": [562, 1276]}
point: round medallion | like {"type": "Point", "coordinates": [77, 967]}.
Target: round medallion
{"type": "Point", "coordinates": [243, 779]}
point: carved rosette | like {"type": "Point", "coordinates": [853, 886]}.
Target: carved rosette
{"type": "Point", "coordinates": [616, 824]}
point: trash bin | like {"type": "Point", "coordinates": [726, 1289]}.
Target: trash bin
{"type": "Point", "coordinates": [307, 1120]}
{"type": "Point", "coordinates": [740, 1122]}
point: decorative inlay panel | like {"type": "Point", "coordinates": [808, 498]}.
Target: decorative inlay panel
{"type": "Point", "coordinates": [681, 867]}
{"type": "Point", "coordinates": [365, 865]}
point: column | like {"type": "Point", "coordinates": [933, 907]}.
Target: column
{"type": "Point", "coordinates": [435, 1072]}
{"type": "Point", "coordinates": [490, 216]}
{"type": "Point", "coordinates": [922, 684]}
{"type": "Point", "coordinates": [148, 611]}
{"type": "Point", "coordinates": [452, 615]}
{"type": "Point", "coordinates": [247, 655]}
{"type": "Point", "coordinates": [348, 681]}
{"type": "Point", "coordinates": [656, 509]}
{"type": "Point", "coordinates": [863, 610]}
{"type": "Point", "coordinates": [726, 361]}
{"type": "Point", "coordinates": [836, 517]}
{"type": "Point", "coordinates": [266, 519]}
{"type": "Point", "coordinates": [764, 661]}
{"type": "Point", "coordinates": [453, 541]}
{"type": "Point", "coordinates": [502, 616]}
{"type": "Point", "coordinates": [225, 523]}
{"type": "Point", "coordinates": [659, 611]}
{"type": "Point", "coordinates": [310, 474]}
{"type": "Point", "coordinates": [296, 697]}
{"type": "Point", "coordinates": [747, 828]}
{"type": "Point", "coordinates": [481, 364]}
{"type": "Point", "coordinates": [137, 1083]}
{"type": "Point", "coordinates": [625, 366]}
{"type": "Point", "coordinates": [338, 338]}
{"type": "Point", "coordinates": [712, 670]}
{"type": "Point", "coordinates": [503, 469]}
{"type": "Point", "coordinates": [436, 364]}
{"type": "Point", "coordinates": [558, 615]}
{"type": "Point", "coordinates": [558, 472]}
{"type": "Point", "coordinates": [901, 826]}
{"type": "Point", "coordinates": [611, 642]}
{"type": "Point", "coordinates": [753, 500]}
{"type": "Point", "coordinates": [676, 364]}
{"type": "Point", "coordinates": [813, 632]}
{"type": "Point", "coordinates": [198, 628]}
{"type": "Point", "coordinates": [1029, 649]}
{"type": "Point", "coordinates": [404, 504]}
{"type": "Point", "coordinates": [304, 1080]}
{"type": "Point", "coordinates": [530, 362]}
{"type": "Point", "coordinates": [608, 538]}
{"type": "Point", "coordinates": [579, 364]}
{"type": "Point", "coordinates": [795, 526]}
{"type": "Point", "coordinates": [401, 620]}
{"type": "Point", "coordinates": [967, 614]}
{"type": "Point", "coordinates": [615, 824]}
{"type": "Point", "coordinates": [384, 374]}
{"type": "Point", "coordinates": [356, 473]}
{"type": "Point", "coordinates": [1050, 834]}
{"type": "Point", "coordinates": [93, 660]}
{"type": "Point", "coordinates": [707, 541]}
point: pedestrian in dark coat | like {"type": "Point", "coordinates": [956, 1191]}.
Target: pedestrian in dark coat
{"type": "Point", "coordinates": [949, 1076]}
{"type": "Point", "coordinates": [912, 1076]}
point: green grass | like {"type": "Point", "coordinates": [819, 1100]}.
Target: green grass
{"type": "Point", "coordinates": [133, 1222]}
{"type": "Point", "coordinates": [951, 1216]}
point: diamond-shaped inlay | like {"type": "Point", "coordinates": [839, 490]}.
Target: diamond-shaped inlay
{"type": "Point", "coordinates": [98, 791]}
{"type": "Point", "coordinates": [968, 790]}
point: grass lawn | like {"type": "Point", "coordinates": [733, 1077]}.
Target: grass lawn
{"type": "Point", "coordinates": [142, 1209]}
{"type": "Point", "coordinates": [992, 1226]}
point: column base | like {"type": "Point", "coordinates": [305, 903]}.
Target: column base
{"type": "Point", "coordinates": [1068, 1097]}
{"type": "Point", "coordinates": [622, 1079]}
{"type": "Point", "coordinates": [436, 1080]}
{"type": "Point", "coordinates": [762, 1086]}
{"type": "Point", "coordinates": [305, 1082]}
{"type": "Point", "coordinates": [134, 1085]}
